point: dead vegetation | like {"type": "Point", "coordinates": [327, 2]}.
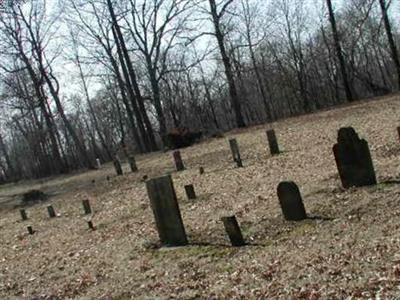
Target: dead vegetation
{"type": "Point", "coordinates": [349, 250]}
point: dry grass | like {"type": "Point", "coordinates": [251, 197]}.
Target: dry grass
{"type": "Point", "coordinates": [355, 255]}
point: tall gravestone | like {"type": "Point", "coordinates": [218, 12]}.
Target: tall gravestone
{"type": "Point", "coordinates": [86, 206]}
{"type": "Point", "coordinates": [353, 159]}
{"type": "Point", "coordinates": [166, 211]}
{"type": "Point", "coordinates": [273, 142]}
{"type": "Point", "coordinates": [233, 230]}
{"type": "Point", "coordinates": [235, 153]}
{"type": "Point", "coordinates": [178, 161]}
{"type": "Point", "coordinates": [291, 202]}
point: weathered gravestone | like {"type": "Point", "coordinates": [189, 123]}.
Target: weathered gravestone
{"type": "Point", "coordinates": [233, 230]}
{"type": "Point", "coordinates": [24, 217]}
{"type": "Point", "coordinates": [117, 166]}
{"type": "Point", "coordinates": [353, 159]}
{"type": "Point", "coordinates": [190, 193]}
{"type": "Point", "coordinates": [132, 163]}
{"type": "Point", "coordinates": [291, 202]}
{"type": "Point", "coordinates": [166, 211]}
{"type": "Point", "coordinates": [178, 161]}
{"type": "Point", "coordinates": [51, 211]}
{"type": "Point", "coordinates": [86, 206]}
{"type": "Point", "coordinates": [273, 142]}
{"type": "Point", "coordinates": [235, 152]}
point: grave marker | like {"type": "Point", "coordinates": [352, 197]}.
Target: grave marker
{"type": "Point", "coordinates": [233, 230]}
{"type": "Point", "coordinates": [166, 211]}
{"type": "Point", "coordinates": [90, 225]}
{"type": "Point", "coordinates": [190, 193]}
{"type": "Point", "coordinates": [201, 170]}
{"type": "Point", "coordinates": [30, 230]}
{"type": "Point", "coordinates": [353, 159]}
{"type": "Point", "coordinates": [178, 161]}
{"type": "Point", "coordinates": [273, 142]}
{"type": "Point", "coordinates": [24, 217]}
{"type": "Point", "coordinates": [398, 131]}
{"type": "Point", "coordinates": [86, 206]}
{"type": "Point", "coordinates": [132, 163]}
{"type": "Point", "coordinates": [51, 211]}
{"type": "Point", "coordinates": [291, 202]}
{"type": "Point", "coordinates": [117, 166]}
{"type": "Point", "coordinates": [235, 152]}
{"type": "Point", "coordinates": [98, 163]}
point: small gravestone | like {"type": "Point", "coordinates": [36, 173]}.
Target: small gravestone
{"type": "Point", "coordinates": [178, 161]}
{"type": "Point", "coordinates": [51, 211]}
{"type": "Point", "coordinates": [86, 206]}
{"type": "Point", "coordinates": [291, 202]}
{"type": "Point", "coordinates": [117, 166]}
{"type": "Point", "coordinates": [233, 230]}
{"type": "Point", "coordinates": [353, 159]}
{"type": "Point", "coordinates": [30, 230]}
{"type": "Point", "coordinates": [90, 225]}
{"type": "Point", "coordinates": [98, 163]}
{"type": "Point", "coordinates": [201, 170]}
{"type": "Point", "coordinates": [166, 211]}
{"type": "Point", "coordinates": [190, 193]}
{"type": "Point", "coordinates": [24, 217]}
{"type": "Point", "coordinates": [235, 153]}
{"type": "Point", "coordinates": [273, 142]}
{"type": "Point", "coordinates": [132, 163]}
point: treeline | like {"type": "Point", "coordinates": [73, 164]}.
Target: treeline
{"type": "Point", "coordinates": [87, 79]}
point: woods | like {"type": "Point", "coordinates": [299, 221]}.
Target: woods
{"type": "Point", "coordinates": [82, 80]}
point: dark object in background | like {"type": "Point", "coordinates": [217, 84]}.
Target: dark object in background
{"type": "Point", "coordinates": [181, 137]}
{"type": "Point", "coordinates": [33, 196]}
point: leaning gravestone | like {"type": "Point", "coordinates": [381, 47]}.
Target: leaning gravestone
{"type": "Point", "coordinates": [291, 201]}
{"type": "Point", "coordinates": [166, 211]}
{"type": "Point", "coordinates": [233, 230]}
{"type": "Point", "coordinates": [353, 159]}
{"type": "Point", "coordinates": [235, 152]}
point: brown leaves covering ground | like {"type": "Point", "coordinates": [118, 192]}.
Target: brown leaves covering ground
{"type": "Point", "coordinates": [350, 252]}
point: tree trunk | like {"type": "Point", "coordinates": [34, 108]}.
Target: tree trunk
{"type": "Point", "coordinates": [339, 53]}
{"type": "Point", "coordinates": [392, 43]}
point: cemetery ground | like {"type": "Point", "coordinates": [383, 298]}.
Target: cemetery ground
{"type": "Point", "coordinates": [349, 248]}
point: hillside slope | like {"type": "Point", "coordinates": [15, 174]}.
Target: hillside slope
{"type": "Point", "coordinates": [351, 251]}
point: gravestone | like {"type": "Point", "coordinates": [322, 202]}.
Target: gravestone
{"type": "Point", "coordinates": [166, 211]}
{"type": "Point", "coordinates": [98, 163]}
{"type": "Point", "coordinates": [90, 225]}
{"type": "Point", "coordinates": [233, 230]}
{"type": "Point", "coordinates": [86, 206]}
{"type": "Point", "coordinates": [30, 230]}
{"type": "Point", "coordinates": [178, 161]}
{"type": "Point", "coordinates": [353, 159]}
{"type": "Point", "coordinates": [201, 170]}
{"type": "Point", "coordinates": [273, 142]}
{"type": "Point", "coordinates": [51, 211]}
{"type": "Point", "coordinates": [190, 193]}
{"type": "Point", "coordinates": [24, 217]}
{"type": "Point", "coordinates": [235, 152]}
{"type": "Point", "coordinates": [117, 166]}
{"type": "Point", "coordinates": [132, 163]}
{"type": "Point", "coordinates": [291, 202]}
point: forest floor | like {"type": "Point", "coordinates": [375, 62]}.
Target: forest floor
{"type": "Point", "coordinates": [353, 252]}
